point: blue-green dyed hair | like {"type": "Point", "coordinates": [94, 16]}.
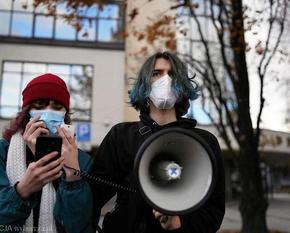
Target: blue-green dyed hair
{"type": "Point", "coordinates": [183, 85]}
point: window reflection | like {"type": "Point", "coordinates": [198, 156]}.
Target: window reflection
{"type": "Point", "coordinates": [58, 69]}
{"type": "Point", "coordinates": [64, 31]}
{"type": "Point", "coordinates": [88, 32]}
{"type": "Point", "coordinates": [8, 112]}
{"type": "Point", "coordinates": [27, 78]}
{"type": "Point", "coordinates": [21, 25]}
{"type": "Point", "coordinates": [98, 24]}
{"type": "Point", "coordinates": [4, 23]}
{"type": "Point", "coordinates": [12, 66]}
{"type": "Point", "coordinates": [41, 9]}
{"type": "Point", "coordinates": [88, 11]}
{"type": "Point", "coordinates": [16, 75]}
{"type": "Point", "coordinates": [195, 111]}
{"type": "Point", "coordinates": [23, 5]}
{"type": "Point", "coordinates": [107, 30]}
{"type": "Point", "coordinates": [77, 70]}
{"type": "Point", "coordinates": [35, 68]}
{"type": "Point", "coordinates": [109, 11]}
{"type": "Point", "coordinates": [6, 5]}
{"type": "Point", "coordinates": [10, 89]}
{"type": "Point", "coordinates": [43, 26]}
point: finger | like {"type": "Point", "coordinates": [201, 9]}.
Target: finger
{"type": "Point", "coordinates": [68, 136]}
{"type": "Point", "coordinates": [46, 158]}
{"type": "Point", "coordinates": [33, 120]}
{"type": "Point", "coordinates": [52, 165]}
{"type": "Point", "coordinates": [31, 129]}
{"type": "Point", "coordinates": [31, 139]}
{"type": "Point", "coordinates": [67, 139]}
{"type": "Point", "coordinates": [52, 178]}
{"type": "Point", "coordinates": [163, 219]}
{"type": "Point", "coordinates": [35, 123]}
{"type": "Point", "coordinates": [52, 172]}
{"type": "Point", "coordinates": [156, 214]}
{"type": "Point", "coordinates": [39, 131]}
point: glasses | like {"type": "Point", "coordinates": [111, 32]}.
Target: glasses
{"type": "Point", "coordinates": [41, 104]}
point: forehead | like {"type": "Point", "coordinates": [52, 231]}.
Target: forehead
{"type": "Point", "coordinates": [162, 64]}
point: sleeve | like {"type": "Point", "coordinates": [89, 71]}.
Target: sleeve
{"type": "Point", "coordinates": [105, 167]}
{"type": "Point", "coordinates": [208, 218]}
{"type": "Point", "coordinates": [73, 208]}
{"type": "Point", "coordinates": [13, 210]}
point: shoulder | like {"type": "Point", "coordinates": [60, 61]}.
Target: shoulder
{"type": "Point", "coordinates": [83, 155]}
{"type": "Point", "coordinates": [85, 160]}
{"type": "Point", "coordinates": [124, 128]}
{"type": "Point", "coordinates": [209, 138]}
{"type": "Point", "coordinates": [4, 144]}
{"type": "Point", "coordinates": [125, 125]}
{"type": "Point", "coordinates": [204, 133]}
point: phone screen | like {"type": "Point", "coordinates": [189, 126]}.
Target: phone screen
{"type": "Point", "coordinates": [46, 144]}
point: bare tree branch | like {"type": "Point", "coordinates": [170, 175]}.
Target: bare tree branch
{"type": "Point", "coordinates": [262, 69]}
{"type": "Point", "coordinates": [216, 83]}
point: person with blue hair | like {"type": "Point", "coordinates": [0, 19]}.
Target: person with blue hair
{"type": "Point", "coordinates": [162, 94]}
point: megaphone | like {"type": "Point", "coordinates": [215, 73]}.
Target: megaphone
{"type": "Point", "coordinates": [176, 171]}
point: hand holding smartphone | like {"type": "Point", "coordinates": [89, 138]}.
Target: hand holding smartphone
{"type": "Point", "coordinates": [46, 144]}
{"type": "Point", "coordinates": [69, 128]}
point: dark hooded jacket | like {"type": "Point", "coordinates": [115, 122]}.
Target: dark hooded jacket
{"type": "Point", "coordinates": [132, 214]}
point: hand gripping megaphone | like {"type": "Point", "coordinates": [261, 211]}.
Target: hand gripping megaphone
{"type": "Point", "coordinates": [175, 170]}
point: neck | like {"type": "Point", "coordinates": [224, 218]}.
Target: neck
{"type": "Point", "coordinates": [162, 116]}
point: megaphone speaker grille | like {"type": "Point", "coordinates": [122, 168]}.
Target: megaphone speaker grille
{"type": "Point", "coordinates": [175, 170]}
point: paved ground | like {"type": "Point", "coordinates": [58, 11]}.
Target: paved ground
{"type": "Point", "coordinates": [278, 214]}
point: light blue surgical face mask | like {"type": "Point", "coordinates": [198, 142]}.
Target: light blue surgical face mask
{"type": "Point", "coordinates": [52, 119]}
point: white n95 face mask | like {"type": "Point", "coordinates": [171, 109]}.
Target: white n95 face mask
{"type": "Point", "coordinates": [162, 94]}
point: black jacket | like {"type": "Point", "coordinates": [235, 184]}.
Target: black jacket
{"type": "Point", "coordinates": [115, 161]}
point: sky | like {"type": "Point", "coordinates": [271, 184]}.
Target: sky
{"type": "Point", "coordinates": [276, 102]}
{"type": "Point", "coordinates": [275, 88]}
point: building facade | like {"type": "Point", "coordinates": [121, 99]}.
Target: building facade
{"type": "Point", "coordinates": [97, 63]}
{"type": "Point", "coordinates": [91, 61]}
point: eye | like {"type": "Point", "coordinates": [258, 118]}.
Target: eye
{"type": "Point", "coordinates": [40, 104]}
{"type": "Point", "coordinates": [56, 105]}
{"type": "Point", "coordinates": [156, 73]}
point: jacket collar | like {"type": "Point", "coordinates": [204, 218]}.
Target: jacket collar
{"type": "Point", "coordinates": [148, 121]}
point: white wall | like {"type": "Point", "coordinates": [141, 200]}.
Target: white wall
{"type": "Point", "coordinates": [108, 83]}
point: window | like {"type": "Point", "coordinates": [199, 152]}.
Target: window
{"type": "Point", "coordinates": [16, 75]}
{"type": "Point", "coordinates": [102, 25]}
{"type": "Point", "coordinates": [195, 111]}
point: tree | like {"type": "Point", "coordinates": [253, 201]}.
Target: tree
{"type": "Point", "coordinates": [226, 97]}
{"type": "Point", "coordinates": [225, 76]}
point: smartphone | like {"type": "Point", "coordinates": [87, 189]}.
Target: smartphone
{"type": "Point", "coordinates": [46, 144]}
{"type": "Point", "coordinates": [69, 128]}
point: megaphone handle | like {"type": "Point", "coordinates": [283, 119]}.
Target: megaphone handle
{"type": "Point", "coordinates": [163, 219]}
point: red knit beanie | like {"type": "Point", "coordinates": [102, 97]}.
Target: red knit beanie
{"type": "Point", "coordinates": [46, 86]}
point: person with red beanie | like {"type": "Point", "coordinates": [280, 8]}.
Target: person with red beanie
{"type": "Point", "coordinates": [35, 195]}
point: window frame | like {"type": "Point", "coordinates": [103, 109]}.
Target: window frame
{"type": "Point", "coordinates": [76, 42]}
{"type": "Point", "coordinates": [46, 64]}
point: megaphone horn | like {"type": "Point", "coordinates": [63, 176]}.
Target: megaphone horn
{"type": "Point", "coordinates": [175, 171]}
